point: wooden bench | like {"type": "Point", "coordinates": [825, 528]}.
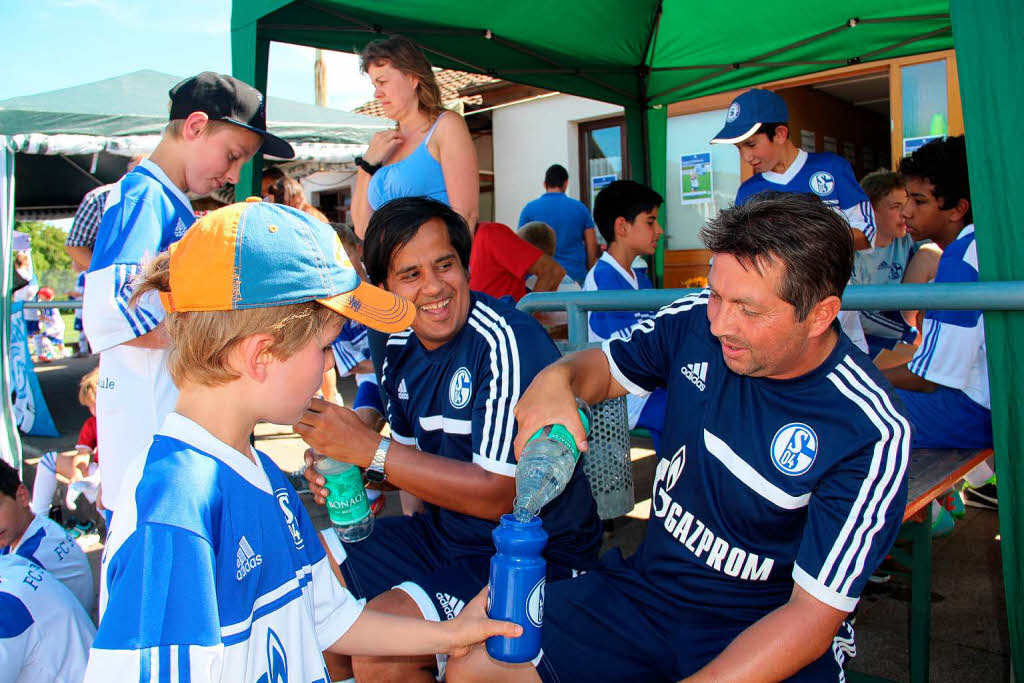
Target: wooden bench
{"type": "Point", "coordinates": [931, 473]}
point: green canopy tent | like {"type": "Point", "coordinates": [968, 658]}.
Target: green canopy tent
{"type": "Point", "coordinates": [70, 140]}
{"type": "Point", "coordinates": [643, 54]}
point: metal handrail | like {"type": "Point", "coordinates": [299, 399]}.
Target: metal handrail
{"type": "Point", "coordinates": [69, 303]}
{"type": "Point", "coordinates": [977, 296]}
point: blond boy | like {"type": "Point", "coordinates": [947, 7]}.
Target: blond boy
{"type": "Point", "coordinates": [216, 124]}
{"type": "Point", "coordinates": [215, 571]}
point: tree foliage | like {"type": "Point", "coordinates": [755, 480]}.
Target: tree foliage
{"type": "Point", "coordinates": [47, 246]}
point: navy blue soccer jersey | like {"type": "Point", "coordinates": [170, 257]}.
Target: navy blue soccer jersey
{"type": "Point", "coordinates": [214, 571]}
{"type": "Point", "coordinates": [761, 483]}
{"type": "Point", "coordinates": [826, 175]}
{"type": "Point", "coordinates": [456, 401]}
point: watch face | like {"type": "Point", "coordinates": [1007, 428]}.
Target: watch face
{"type": "Point", "coordinates": [375, 476]}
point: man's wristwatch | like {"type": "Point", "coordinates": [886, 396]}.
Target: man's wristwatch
{"type": "Point", "coordinates": [375, 472]}
{"type": "Point", "coordinates": [367, 166]}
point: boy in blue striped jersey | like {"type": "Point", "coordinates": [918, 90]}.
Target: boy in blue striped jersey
{"type": "Point", "coordinates": [945, 385]}
{"type": "Point", "coordinates": [214, 570]}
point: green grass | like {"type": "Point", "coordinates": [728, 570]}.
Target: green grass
{"type": "Point", "coordinates": [70, 333]}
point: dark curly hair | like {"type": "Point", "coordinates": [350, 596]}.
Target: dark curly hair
{"type": "Point", "coordinates": [943, 163]}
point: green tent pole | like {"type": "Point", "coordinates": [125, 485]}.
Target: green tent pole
{"type": "Point", "coordinates": [9, 438]}
{"type": "Point", "coordinates": [991, 68]}
{"type": "Point", "coordinates": [249, 57]}
{"type": "Point", "coordinates": [646, 131]}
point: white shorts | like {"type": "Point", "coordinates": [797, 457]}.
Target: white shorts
{"type": "Point", "coordinates": [134, 395]}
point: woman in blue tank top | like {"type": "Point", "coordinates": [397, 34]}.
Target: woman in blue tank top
{"type": "Point", "coordinates": [429, 154]}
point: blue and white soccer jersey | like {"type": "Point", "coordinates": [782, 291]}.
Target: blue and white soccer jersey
{"type": "Point", "coordinates": [44, 632]}
{"type": "Point", "coordinates": [884, 266]}
{"type": "Point", "coordinates": [145, 213]}
{"type": "Point", "coordinates": [953, 355]}
{"type": "Point", "coordinates": [826, 175]}
{"type": "Point", "coordinates": [215, 571]}
{"type": "Point", "coordinates": [351, 347]}
{"type": "Point", "coordinates": [48, 545]}
{"type": "Point", "coordinates": [456, 402]}
{"type": "Point", "coordinates": [760, 484]}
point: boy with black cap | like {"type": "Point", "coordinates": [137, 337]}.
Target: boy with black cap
{"type": "Point", "coordinates": [216, 125]}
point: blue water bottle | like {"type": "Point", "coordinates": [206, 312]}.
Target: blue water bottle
{"type": "Point", "coordinates": [517, 587]}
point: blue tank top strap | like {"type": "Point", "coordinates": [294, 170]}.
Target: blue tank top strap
{"type": "Point", "coordinates": [431, 131]}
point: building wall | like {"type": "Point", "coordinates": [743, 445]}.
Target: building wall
{"type": "Point", "coordinates": [529, 137]}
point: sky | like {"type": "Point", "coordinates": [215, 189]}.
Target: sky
{"type": "Point", "coordinates": [62, 43]}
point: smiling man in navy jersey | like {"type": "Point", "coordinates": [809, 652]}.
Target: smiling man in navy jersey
{"type": "Point", "coordinates": [780, 483]}
{"type": "Point", "coordinates": [450, 384]}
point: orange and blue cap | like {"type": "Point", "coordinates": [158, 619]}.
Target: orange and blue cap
{"type": "Point", "coordinates": [257, 255]}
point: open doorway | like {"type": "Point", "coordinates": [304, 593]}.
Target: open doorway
{"type": "Point", "coordinates": [848, 116]}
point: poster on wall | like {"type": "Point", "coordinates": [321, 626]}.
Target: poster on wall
{"type": "Point", "coordinates": [695, 178]}
{"type": "Point", "coordinates": [830, 144]}
{"type": "Point", "coordinates": [30, 411]}
{"type": "Point", "coordinates": [911, 144]}
{"type": "Point", "coordinates": [807, 142]}
{"type": "Point", "coordinates": [598, 182]}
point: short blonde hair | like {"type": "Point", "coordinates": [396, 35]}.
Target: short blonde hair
{"type": "Point", "coordinates": [202, 340]}
{"type": "Point", "coordinates": [87, 387]}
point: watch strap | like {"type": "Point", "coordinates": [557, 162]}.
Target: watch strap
{"type": "Point", "coordinates": [367, 166]}
{"type": "Point", "coordinates": [380, 456]}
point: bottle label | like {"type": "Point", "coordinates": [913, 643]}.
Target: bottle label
{"type": "Point", "coordinates": [535, 604]}
{"type": "Point", "coordinates": [347, 503]}
{"type": "Point", "coordinates": [561, 435]}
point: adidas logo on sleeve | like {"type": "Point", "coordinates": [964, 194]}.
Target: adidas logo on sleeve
{"type": "Point", "coordinates": [696, 373]}
{"type": "Point", "coordinates": [245, 559]}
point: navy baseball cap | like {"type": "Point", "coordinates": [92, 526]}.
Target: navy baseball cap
{"type": "Point", "coordinates": [225, 98]}
{"type": "Point", "coordinates": [747, 112]}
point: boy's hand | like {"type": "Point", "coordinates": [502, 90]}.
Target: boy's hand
{"type": "Point", "coordinates": [315, 480]}
{"type": "Point", "coordinates": [473, 626]}
{"type": "Point", "coordinates": [337, 433]}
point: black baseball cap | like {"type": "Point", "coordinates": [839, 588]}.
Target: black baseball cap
{"type": "Point", "coordinates": [225, 98]}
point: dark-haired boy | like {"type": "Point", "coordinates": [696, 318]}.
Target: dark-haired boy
{"type": "Point", "coordinates": [945, 385]}
{"type": "Point", "coordinates": [40, 540]}
{"type": "Point", "coordinates": [216, 124]}
{"type": "Point", "coordinates": [626, 213]}
{"type": "Point", "coordinates": [450, 385]}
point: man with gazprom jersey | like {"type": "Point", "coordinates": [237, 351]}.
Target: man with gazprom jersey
{"type": "Point", "coordinates": [780, 484]}
{"type": "Point", "coordinates": [216, 124]}
{"type": "Point", "coordinates": [450, 384]}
